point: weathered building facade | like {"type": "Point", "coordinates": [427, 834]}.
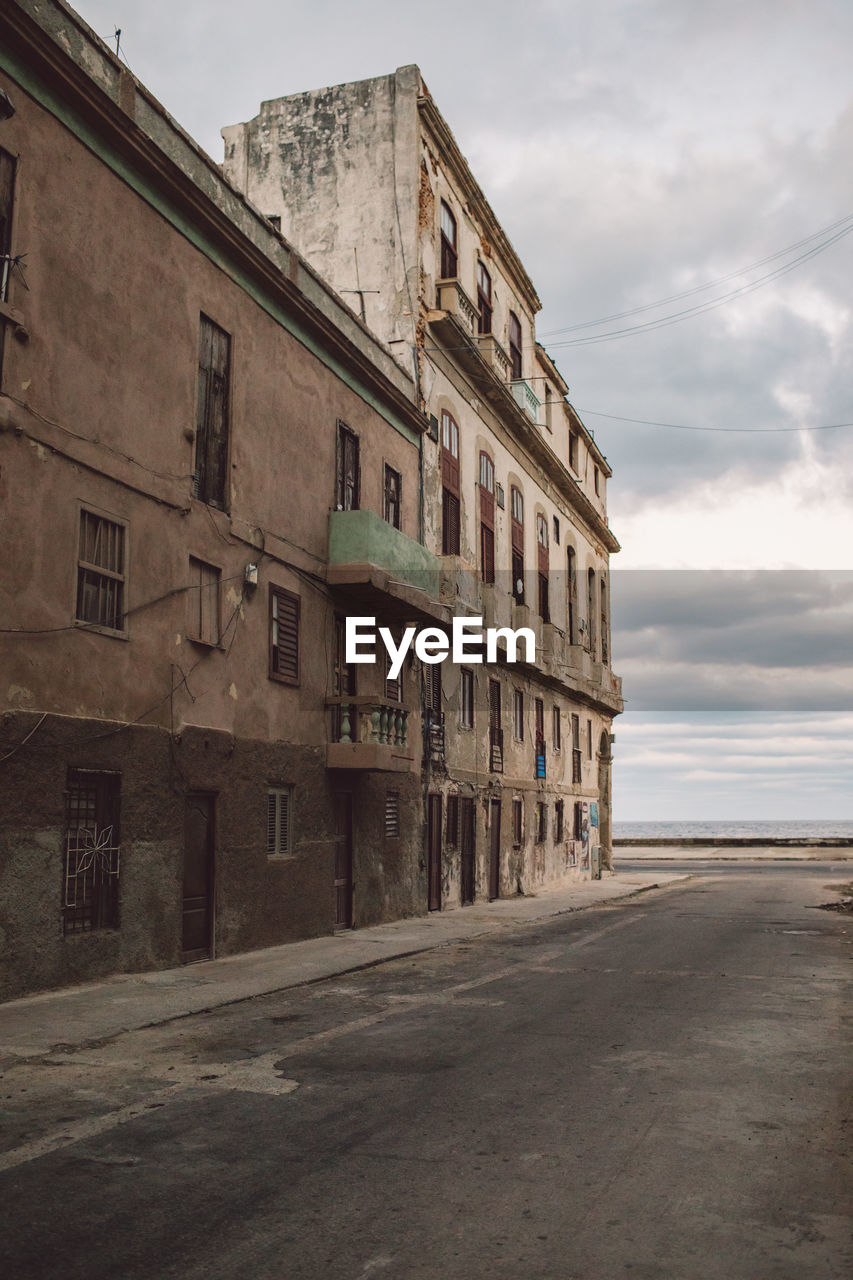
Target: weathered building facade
{"type": "Point", "coordinates": [204, 457]}
{"type": "Point", "coordinates": [367, 180]}
{"type": "Point", "coordinates": [208, 461]}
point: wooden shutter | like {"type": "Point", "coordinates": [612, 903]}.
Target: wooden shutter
{"type": "Point", "coordinates": [284, 635]}
{"type": "Point", "coordinates": [450, 526]}
{"type": "Point", "coordinates": [279, 818]}
{"type": "Point", "coordinates": [494, 704]}
{"type": "Point", "coordinates": [211, 452]}
{"type": "Point", "coordinates": [432, 675]}
{"type": "Point", "coordinates": [392, 815]}
{"type": "Point", "coordinates": [487, 553]}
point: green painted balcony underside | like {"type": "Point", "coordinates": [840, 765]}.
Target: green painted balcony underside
{"type": "Point", "coordinates": [362, 537]}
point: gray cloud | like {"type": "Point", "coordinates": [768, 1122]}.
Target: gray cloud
{"type": "Point", "coordinates": [632, 150]}
{"type": "Point", "coordinates": [705, 640]}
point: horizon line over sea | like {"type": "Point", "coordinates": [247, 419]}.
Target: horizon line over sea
{"type": "Point", "coordinates": [771, 829]}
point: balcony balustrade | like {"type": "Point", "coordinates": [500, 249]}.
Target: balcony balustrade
{"type": "Point", "coordinates": [526, 398]}
{"type": "Point", "coordinates": [368, 733]}
{"type": "Point", "coordinates": [453, 299]}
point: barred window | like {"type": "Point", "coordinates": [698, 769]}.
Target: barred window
{"type": "Point", "coordinates": [392, 815]}
{"type": "Point", "coordinates": [101, 572]}
{"type": "Point", "coordinates": [279, 821]}
{"type": "Point", "coordinates": [91, 880]}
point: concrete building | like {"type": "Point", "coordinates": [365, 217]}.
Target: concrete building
{"type": "Point", "coordinates": [208, 461]}
{"type": "Point", "coordinates": [368, 182]}
{"type": "Point", "coordinates": [204, 457]}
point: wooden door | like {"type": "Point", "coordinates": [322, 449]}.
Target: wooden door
{"type": "Point", "coordinates": [342, 809]}
{"type": "Point", "coordinates": [197, 939]}
{"type": "Point", "coordinates": [494, 849]}
{"type": "Point", "coordinates": [434, 853]}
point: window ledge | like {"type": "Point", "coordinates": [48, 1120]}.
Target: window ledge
{"type": "Point", "coordinates": [80, 625]}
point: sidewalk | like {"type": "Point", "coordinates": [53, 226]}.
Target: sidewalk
{"type": "Point", "coordinates": [674, 852]}
{"type": "Point", "coordinates": [78, 1016]}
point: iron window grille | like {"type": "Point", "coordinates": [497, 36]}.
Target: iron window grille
{"type": "Point", "coordinates": [92, 851]}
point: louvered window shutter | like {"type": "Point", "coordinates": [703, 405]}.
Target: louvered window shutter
{"type": "Point", "coordinates": [284, 635]}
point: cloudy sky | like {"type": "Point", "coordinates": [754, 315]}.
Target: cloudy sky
{"type": "Point", "coordinates": [636, 151]}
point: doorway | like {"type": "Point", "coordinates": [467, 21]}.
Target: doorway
{"type": "Point", "coordinates": [433, 853]}
{"type": "Point", "coordinates": [494, 849]}
{"type": "Point", "coordinates": [342, 809]}
{"type": "Point", "coordinates": [197, 931]}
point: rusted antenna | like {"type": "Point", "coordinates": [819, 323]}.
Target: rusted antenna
{"type": "Point", "coordinates": [358, 289]}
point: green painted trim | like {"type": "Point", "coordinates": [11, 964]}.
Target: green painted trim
{"type": "Point", "coordinates": [363, 537]}
{"type": "Point", "coordinates": [47, 98]}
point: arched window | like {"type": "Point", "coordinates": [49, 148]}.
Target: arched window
{"type": "Point", "coordinates": [515, 345]}
{"type": "Point", "coordinates": [450, 517]}
{"type": "Point", "coordinates": [487, 518]}
{"type": "Point", "coordinates": [516, 507]}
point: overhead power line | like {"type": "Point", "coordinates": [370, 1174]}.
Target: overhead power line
{"type": "Point", "coordinates": [703, 288]}
{"type": "Point", "coordinates": [663, 322]}
{"type": "Point", "coordinates": [684, 426]}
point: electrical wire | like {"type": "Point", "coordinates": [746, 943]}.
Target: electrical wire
{"type": "Point", "coordinates": [700, 288]}
{"type": "Point", "coordinates": [128, 724]}
{"type": "Point", "coordinates": [663, 322]}
{"type": "Point", "coordinates": [683, 426]}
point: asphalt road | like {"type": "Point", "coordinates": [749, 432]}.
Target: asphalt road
{"type": "Point", "coordinates": [659, 1088]}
